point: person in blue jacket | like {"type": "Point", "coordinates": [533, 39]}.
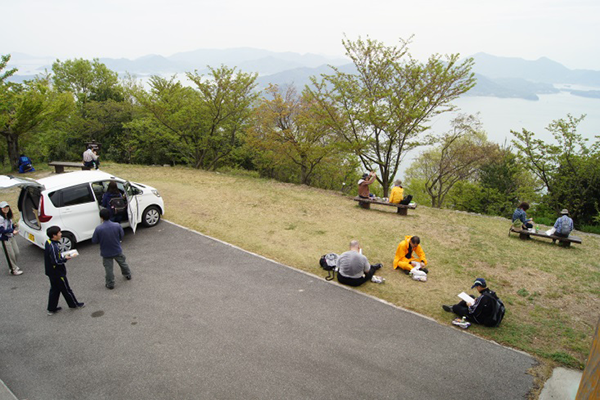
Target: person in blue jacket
{"type": "Point", "coordinates": [520, 214]}
{"type": "Point", "coordinates": [56, 271]}
{"type": "Point", "coordinates": [25, 164]}
{"type": "Point", "coordinates": [113, 192]}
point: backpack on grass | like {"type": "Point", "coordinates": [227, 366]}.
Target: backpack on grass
{"type": "Point", "coordinates": [118, 205]}
{"type": "Point", "coordinates": [328, 262]}
{"type": "Point", "coordinates": [498, 312]}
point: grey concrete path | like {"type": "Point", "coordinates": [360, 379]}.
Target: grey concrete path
{"type": "Point", "coordinates": [204, 320]}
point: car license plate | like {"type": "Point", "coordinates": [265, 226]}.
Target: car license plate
{"type": "Point", "coordinates": [30, 237]}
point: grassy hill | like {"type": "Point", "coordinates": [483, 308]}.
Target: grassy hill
{"type": "Point", "coordinates": [551, 293]}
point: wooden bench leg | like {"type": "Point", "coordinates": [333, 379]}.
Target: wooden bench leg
{"type": "Point", "coordinates": [84, 168]}
{"type": "Point", "coordinates": [59, 169]}
{"type": "Point", "coordinates": [365, 205]}
{"type": "Point", "coordinates": [524, 236]}
{"type": "Point", "coordinates": [402, 211]}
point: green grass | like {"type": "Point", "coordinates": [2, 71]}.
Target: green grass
{"type": "Point", "coordinates": [551, 292]}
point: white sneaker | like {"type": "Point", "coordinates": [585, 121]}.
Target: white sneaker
{"type": "Point", "coordinates": [16, 272]}
{"type": "Point", "coordinates": [377, 279]}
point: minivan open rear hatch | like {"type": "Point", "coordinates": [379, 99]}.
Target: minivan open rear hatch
{"type": "Point", "coordinates": [29, 199]}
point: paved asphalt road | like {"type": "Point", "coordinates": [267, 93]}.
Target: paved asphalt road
{"type": "Point", "coordinates": [204, 320]}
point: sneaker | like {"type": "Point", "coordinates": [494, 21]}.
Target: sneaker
{"type": "Point", "coordinates": [80, 305]}
{"type": "Point", "coordinates": [377, 279]}
{"type": "Point", "coordinates": [447, 308]}
{"type": "Point", "coordinates": [425, 270]}
{"type": "Point", "coordinates": [406, 271]}
{"type": "Point", "coordinates": [377, 266]}
{"type": "Point", "coordinates": [128, 277]}
{"type": "Point", "coordinates": [110, 287]}
{"type": "Point", "coordinates": [55, 311]}
{"type": "Point", "coordinates": [16, 272]}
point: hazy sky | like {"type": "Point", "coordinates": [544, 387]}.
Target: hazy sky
{"type": "Point", "coordinates": [566, 31]}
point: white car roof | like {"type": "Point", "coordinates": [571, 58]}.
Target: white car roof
{"type": "Point", "coordinates": [74, 178]}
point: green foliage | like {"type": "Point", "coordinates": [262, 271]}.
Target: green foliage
{"type": "Point", "coordinates": [203, 125]}
{"type": "Point", "coordinates": [459, 154]}
{"type": "Point", "coordinates": [568, 168]}
{"type": "Point", "coordinates": [381, 110]}
{"type": "Point", "coordinates": [286, 132]}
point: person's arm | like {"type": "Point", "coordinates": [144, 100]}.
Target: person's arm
{"type": "Point", "coordinates": [371, 179]}
{"type": "Point", "coordinates": [557, 224]}
{"type": "Point", "coordinates": [95, 236]}
{"type": "Point", "coordinates": [121, 233]}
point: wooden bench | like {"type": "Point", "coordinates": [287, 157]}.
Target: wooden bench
{"type": "Point", "coordinates": [402, 209]}
{"type": "Point", "coordinates": [525, 235]}
{"type": "Point", "coordinates": [59, 166]}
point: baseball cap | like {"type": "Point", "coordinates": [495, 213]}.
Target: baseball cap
{"type": "Point", "coordinates": [3, 204]}
{"type": "Point", "coordinates": [479, 282]}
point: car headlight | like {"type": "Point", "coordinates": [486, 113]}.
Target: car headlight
{"type": "Point", "coordinates": [156, 193]}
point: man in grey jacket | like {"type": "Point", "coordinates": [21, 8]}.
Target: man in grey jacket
{"type": "Point", "coordinates": [354, 268]}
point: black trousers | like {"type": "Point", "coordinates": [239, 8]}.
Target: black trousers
{"type": "Point", "coordinates": [356, 281]}
{"type": "Point", "coordinates": [58, 285]}
{"type": "Point", "coordinates": [406, 200]}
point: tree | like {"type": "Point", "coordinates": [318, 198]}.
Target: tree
{"type": "Point", "coordinates": [381, 110]}
{"type": "Point", "coordinates": [87, 80]}
{"type": "Point", "coordinates": [27, 108]}
{"type": "Point", "coordinates": [569, 169]}
{"type": "Point", "coordinates": [206, 122]}
{"type": "Point", "coordinates": [460, 153]}
{"type": "Point", "coordinates": [286, 126]}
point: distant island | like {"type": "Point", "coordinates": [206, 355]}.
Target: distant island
{"type": "Point", "coordinates": [502, 77]}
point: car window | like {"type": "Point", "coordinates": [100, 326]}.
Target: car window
{"type": "Point", "coordinates": [79, 194]}
{"type": "Point", "coordinates": [55, 198]}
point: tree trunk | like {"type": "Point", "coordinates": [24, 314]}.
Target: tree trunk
{"type": "Point", "coordinates": [12, 144]}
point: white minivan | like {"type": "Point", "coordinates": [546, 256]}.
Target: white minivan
{"type": "Point", "coordinates": [72, 201]}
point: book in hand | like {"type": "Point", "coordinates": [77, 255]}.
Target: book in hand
{"type": "Point", "coordinates": [468, 299]}
{"type": "Point", "coordinates": [70, 253]}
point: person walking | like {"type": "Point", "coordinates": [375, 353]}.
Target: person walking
{"type": "Point", "coordinates": [56, 271]}
{"type": "Point", "coordinates": [109, 235]}
{"type": "Point", "coordinates": [8, 230]}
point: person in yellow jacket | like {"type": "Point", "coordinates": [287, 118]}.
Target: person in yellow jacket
{"type": "Point", "coordinates": [397, 195]}
{"type": "Point", "coordinates": [409, 253]}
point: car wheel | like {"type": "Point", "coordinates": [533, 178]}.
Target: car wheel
{"type": "Point", "coordinates": [67, 242]}
{"type": "Point", "coordinates": [151, 216]}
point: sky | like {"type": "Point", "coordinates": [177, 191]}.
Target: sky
{"type": "Point", "coordinates": [566, 31]}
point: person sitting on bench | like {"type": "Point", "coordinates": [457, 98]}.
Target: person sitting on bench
{"type": "Point", "coordinates": [363, 185]}
{"type": "Point", "coordinates": [520, 214]}
{"type": "Point", "coordinates": [90, 158]}
{"type": "Point", "coordinates": [563, 224]}
{"type": "Point", "coordinates": [397, 195]}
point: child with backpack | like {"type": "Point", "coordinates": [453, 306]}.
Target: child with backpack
{"type": "Point", "coordinates": [486, 310]}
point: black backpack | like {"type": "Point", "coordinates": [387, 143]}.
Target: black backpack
{"type": "Point", "coordinates": [328, 262]}
{"type": "Point", "coordinates": [117, 204]}
{"type": "Point", "coordinates": [498, 312]}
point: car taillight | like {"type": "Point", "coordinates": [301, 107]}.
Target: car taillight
{"type": "Point", "coordinates": [43, 217]}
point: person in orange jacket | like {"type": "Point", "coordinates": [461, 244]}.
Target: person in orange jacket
{"type": "Point", "coordinates": [410, 254]}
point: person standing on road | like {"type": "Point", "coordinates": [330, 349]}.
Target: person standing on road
{"type": "Point", "coordinates": [110, 234]}
{"type": "Point", "coordinates": [57, 273]}
{"type": "Point", "coordinates": [354, 268]}
{"type": "Point", "coordinates": [7, 232]}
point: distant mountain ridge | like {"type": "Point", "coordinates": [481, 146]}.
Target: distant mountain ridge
{"type": "Point", "coordinates": [505, 77]}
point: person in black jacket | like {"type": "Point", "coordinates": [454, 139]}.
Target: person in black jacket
{"type": "Point", "coordinates": [57, 273]}
{"type": "Point", "coordinates": [481, 309]}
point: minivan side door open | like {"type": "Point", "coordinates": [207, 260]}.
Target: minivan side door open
{"type": "Point", "coordinates": [132, 206]}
